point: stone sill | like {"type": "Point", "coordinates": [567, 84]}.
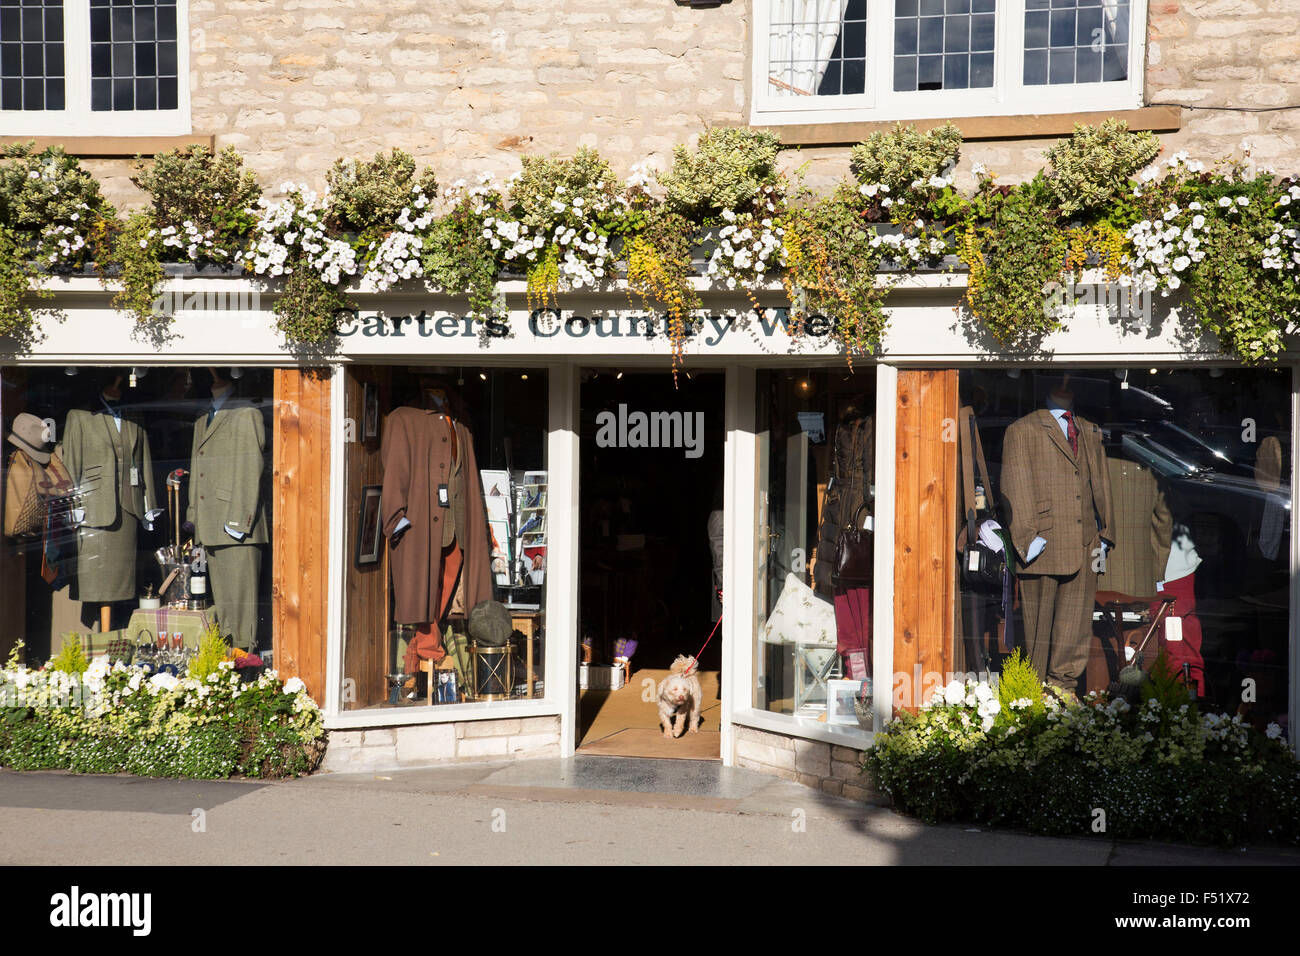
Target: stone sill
{"type": "Point", "coordinates": [439, 714]}
{"type": "Point", "coordinates": [1038, 125]}
{"type": "Point", "coordinates": [113, 147]}
{"type": "Point", "coordinates": [854, 738]}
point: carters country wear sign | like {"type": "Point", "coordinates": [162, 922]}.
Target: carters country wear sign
{"type": "Point", "coordinates": [766, 330]}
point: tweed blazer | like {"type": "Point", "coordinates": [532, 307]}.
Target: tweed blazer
{"type": "Point", "coordinates": [226, 465]}
{"type": "Point", "coordinates": [100, 460]}
{"type": "Point", "coordinates": [1048, 492]}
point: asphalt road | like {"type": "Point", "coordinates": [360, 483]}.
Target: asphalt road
{"type": "Point", "coordinates": [590, 811]}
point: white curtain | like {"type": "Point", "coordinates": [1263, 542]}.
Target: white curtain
{"type": "Point", "coordinates": [798, 54]}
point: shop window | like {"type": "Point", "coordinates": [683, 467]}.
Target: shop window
{"type": "Point", "coordinates": [1149, 515]}
{"type": "Point", "coordinates": [137, 512]}
{"type": "Point", "coordinates": [815, 533]}
{"type": "Point", "coordinates": [446, 510]}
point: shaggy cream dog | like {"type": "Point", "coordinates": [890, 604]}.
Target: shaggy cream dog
{"type": "Point", "coordinates": [680, 693]}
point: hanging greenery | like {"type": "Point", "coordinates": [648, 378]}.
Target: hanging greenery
{"type": "Point", "coordinates": [1223, 243]}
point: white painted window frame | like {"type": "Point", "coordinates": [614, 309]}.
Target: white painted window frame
{"type": "Point", "coordinates": [1009, 96]}
{"type": "Point", "coordinates": [78, 119]}
{"type": "Point", "coordinates": [740, 550]}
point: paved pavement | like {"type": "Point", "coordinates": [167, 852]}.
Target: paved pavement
{"type": "Point", "coordinates": [585, 810]}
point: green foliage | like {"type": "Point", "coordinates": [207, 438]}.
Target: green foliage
{"type": "Point", "coordinates": [71, 658]}
{"type": "Point", "coordinates": [1160, 772]}
{"type": "Point", "coordinates": [1165, 686]}
{"type": "Point", "coordinates": [40, 189]}
{"type": "Point", "coordinates": [459, 260]}
{"type": "Point", "coordinates": [725, 171]}
{"type": "Point", "coordinates": [367, 197]}
{"type": "Point", "coordinates": [18, 288]}
{"type": "Point", "coordinates": [115, 720]}
{"type": "Point", "coordinates": [1018, 681]}
{"type": "Point", "coordinates": [900, 156]}
{"type": "Point", "coordinates": [1011, 260]}
{"type": "Point", "coordinates": [831, 269]}
{"type": "Point", "coordinates": [212, 652]}
{"type": "Point", "coordinates": [546, 181]}
{"type": "Point", "coordinates": [307, 310]}
{"type": "Point", "coordinates": [1232, 298]}
{"type": "Point", "coordinates": [203, 204]}
{"type": "Point", "coordinates": [1093, 167]}
{"type": "Point", "coordinates": [137, 255]}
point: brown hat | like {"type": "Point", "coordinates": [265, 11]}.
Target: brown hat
{"type": "Point", "coordinates": [29, 435]}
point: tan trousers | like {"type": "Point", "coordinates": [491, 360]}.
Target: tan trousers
{"type": "Point", "coordinates": [1057, 613]}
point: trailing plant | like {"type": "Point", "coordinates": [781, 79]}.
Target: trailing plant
{"type": "Point", "coordinates": [19, 288]}
{"type": "Point", "coordinates": [1091, 168]}
{"type": "Point", "coordinates": [204, 205]}
{"type": "Point", "coordinates": [1012, 257]}
{"type": "Point", "coordinates": [726, 170]}
{"type": "Point", "coordinates": [461, 255]}
{"type": "Point", "coordinates": [903, 157]}
{"type": "Point", "coordinates": [832, 260]}
{"type": "Point", "coordinates": [137, 254]}
{"type": "Point", "coordinates": [659, 271]}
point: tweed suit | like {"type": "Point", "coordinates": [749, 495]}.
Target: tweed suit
{"type": "Point", "coordinates": [226, 466]}
{"type": "Point", "coordinates": [102, 462]}
{"type": "Point", "coordinates": [1050, 492]}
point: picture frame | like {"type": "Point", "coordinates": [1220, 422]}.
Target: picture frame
{"type": "Point", "coordinates": [369, 411]}
{"type": "Point", "coordinates": [839, 701]}
{"type": "Point", "coordinates": [370, 538]}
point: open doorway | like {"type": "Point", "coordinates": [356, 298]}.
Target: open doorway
{"type": "Point", "coordinates": [651, 480]}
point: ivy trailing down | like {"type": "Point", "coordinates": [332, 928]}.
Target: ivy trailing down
{"type": "Point", "coordinates": [1223, 243]}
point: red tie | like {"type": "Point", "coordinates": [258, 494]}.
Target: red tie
{"type": "Point", "coordinates": [1071, 432]}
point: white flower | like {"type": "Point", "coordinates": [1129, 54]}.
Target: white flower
{"type": "Point", "coordinates": [955, 693]}
{"type": "Point", "coordinates": [1273, 731]}
{"type": "Point", "coordinates": [294, 684]}
{"type": "Point", "coordinates": [1224, 201]}
{"type": "Point", "coordinates": [1243, 201]}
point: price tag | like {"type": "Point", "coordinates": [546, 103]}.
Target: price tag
{"type": "Point", "coordinates": [1173, 629]}
{"type": "Point", "coordinates": [135, 476]}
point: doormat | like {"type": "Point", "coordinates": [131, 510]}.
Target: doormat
{"type": "Point", "coordinates": [640, 742]}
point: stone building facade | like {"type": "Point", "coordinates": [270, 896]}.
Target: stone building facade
{"type": "Point", "coordinates": [295, 84]}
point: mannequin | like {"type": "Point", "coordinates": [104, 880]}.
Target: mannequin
{"type": "Point", "coordinates": [434, 518]}
{"type": "Point", "coordinates": [1056, 490]}
{"type": "Point", "coordinates": [226, 505]}
{"type": "Point", "coordinates": [849, 503]}
{"type": "Point", "coordinates": [108, 459]}
{"type": "Point", "coordinates": [1143, 524]}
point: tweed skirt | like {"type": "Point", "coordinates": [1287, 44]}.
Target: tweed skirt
{"type": "Point", "coordinates": [106, 561]}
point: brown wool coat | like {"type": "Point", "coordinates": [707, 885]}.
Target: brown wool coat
{"type": "Point", "coordinates": [417, 458]}
{"type": "Point", "coordinates": [1047, 491]}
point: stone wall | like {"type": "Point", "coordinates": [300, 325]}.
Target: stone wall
{"type": "Point", "coordinates": [469, 86]}
{"type": "Point", "coordinates": [822, 766]}
{"type": "Point", "coordinates": [423, 745]}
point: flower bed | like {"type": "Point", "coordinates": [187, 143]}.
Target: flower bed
{"type": "Point", "coordinates": [118, 719]}
{"type": "Point", "coordinates": [1155, 769]}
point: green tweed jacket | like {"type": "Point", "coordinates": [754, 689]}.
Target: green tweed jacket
{"type": "Point", "coordinates": [226, 466]}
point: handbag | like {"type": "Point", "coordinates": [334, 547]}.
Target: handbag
{"type": "Point", "coordinates": [854, 551]}
{"type": "Point", "coordinates": [982, 567]}
{"type": "Point", "coordinates": [29, 490]}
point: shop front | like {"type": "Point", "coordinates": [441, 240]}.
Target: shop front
{"type": "Point", "coordinates": [494, 540]}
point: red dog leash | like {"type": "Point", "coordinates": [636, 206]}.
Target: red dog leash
{"type": "Point", "coordinates": [704, 645]}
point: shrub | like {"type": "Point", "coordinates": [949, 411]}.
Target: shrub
{"type": "Point", "coordinates": [71, 658]}
{"type": "Point", "coordinates": [1094, 166]}
{"type": "Point", "coordinates": [203, 204]}
{"type": "Point", "coordinates": [726, 170]}
{"type": "Point", "coordinates": [901, 156]}
{"type": "Point", "coordinates": [369, 196]}
{"type": "Point", "coordinates": [1154, 771]}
